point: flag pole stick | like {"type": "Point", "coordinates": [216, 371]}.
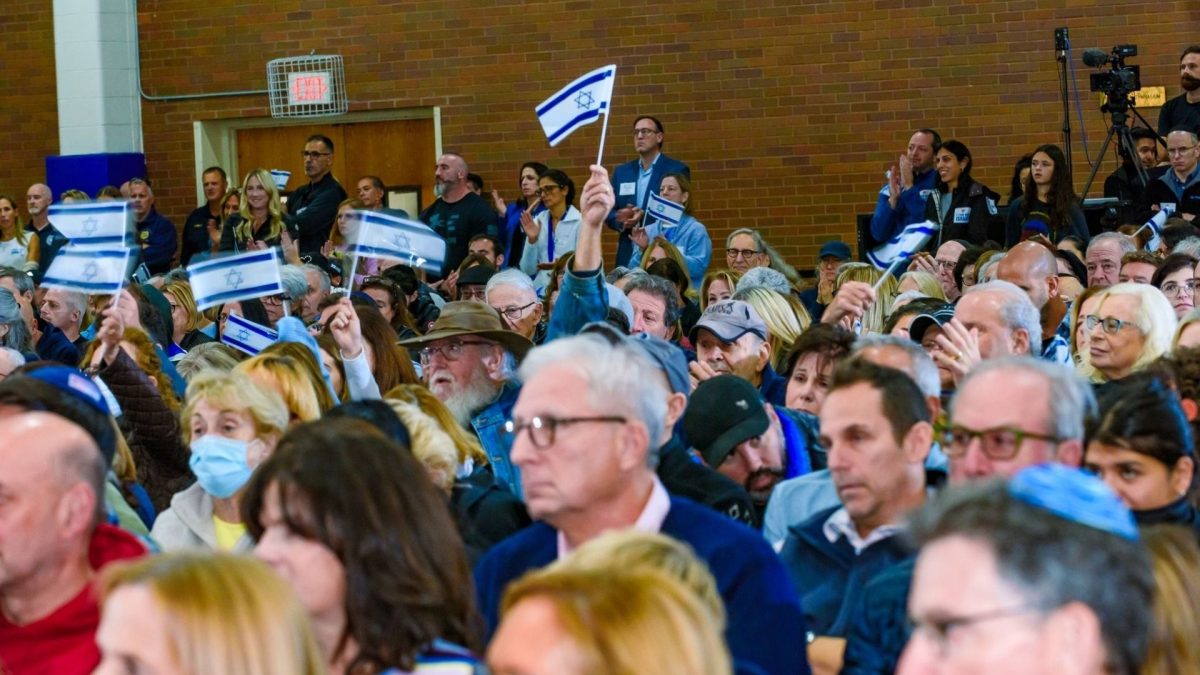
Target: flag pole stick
{"type": "Point", "coordinates": [350, 277]}
{"type": "Point", "coordinates": [891, 268]}
{"type": "Point", "coordinates": [603, 133]}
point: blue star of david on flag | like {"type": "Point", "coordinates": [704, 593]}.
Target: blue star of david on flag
{"type": "Point", "coordinates": [247, 336]}
{"type": "Point", "coordinates": [380, 235]}
{"type": "Point", "coordinates": [95, 271]}
{"type": "Point", "coordinates": [253, 274]}
{"type": "Point", "coordinates": [107, 224]}
{"type": "Point", "coordinates": [584, 100]}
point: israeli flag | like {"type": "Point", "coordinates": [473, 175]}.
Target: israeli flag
{"type": "Point", "coordinates": [235, 277]}
{"type": "Point", "coordinates": [379, 235]}
{"type": "Point", "coordinates": [577, 104]}
{"type": "Point", "coordinates": [1156, 225]}
{"type": "Point", "coordinates": [903, 246]}
{"type": "Point", "coordinates": [665, 210]}
{"type": "Point", "coordinates": [106, 224]}
{"type": "Point", "coordinates": [246, 335]}
{"type": "Point", "coordinates": [88, 270]}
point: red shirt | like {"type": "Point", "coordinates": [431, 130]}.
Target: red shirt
{"type": "Point", "coordinates": [64, 642]}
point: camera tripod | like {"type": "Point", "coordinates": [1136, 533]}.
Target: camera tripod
{"type": "Point", "coordinates": [1119, 108]}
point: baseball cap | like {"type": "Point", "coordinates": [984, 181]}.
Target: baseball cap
{"type": "Point", "coordinates": [668, 357]}
{"type": "Point", "coordinates": [834, 249]}
{"type": "Point", "coordinates": [476, 276]}
{"type": "Point", "coordinates": [722, 412]}
{"type": "Point", "coordinates": [618, 300]}
{"type": "Point", "coordinates": [939, 317]}
{"type": "Point", "coordinates": [730, 320]}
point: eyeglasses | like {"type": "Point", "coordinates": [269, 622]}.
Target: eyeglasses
{"type": "Point", "coordinates": [310, 154]}
{"type": "Point", "coordinates": [938, 630]}
{"type": "Point", "coordinates": [547, 189]}
{"type": "Point", "coordinates": [272, 300]}
{"type": "Point", "coordinates": [472, 292]}
{"type": "Point", "coordinates": [997, 443]}
{"type": "Point", "coordinates": [1172, 288]}
{"type": "Point", "coordinates": [1111, 325]}
{"type": "Point", "coordinates": [946, 265]}
{"type": "Point", "coordinates": [514, 313]}
{"type": "Point", "coordinates": [541, 429]}
{"type": "Point", "coordinates": [1179, 151]}
{"type": "Point", "coordinates": [645, 132]}
{"type": "Point", "coordinates": [743, 253]}
{"type": "Point", "coordinates": [451, 351]}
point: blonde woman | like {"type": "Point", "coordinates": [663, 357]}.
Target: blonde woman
{"type": "Point", "coordinates": [260, 222]}
{"type": "Point", "coordinates": [17, 248]}
{"type": "Point", "coordinates": [785, 322]}
{"type": "Point", "coordinates": [186, 321]}
{"type": "Point", "coordinates": [195, 614]}
{"type": "Point", "coordinates": [922, 282]}
{"type": "Point", "coordinates": [1188, 332]}
{"type": "Point", "coordinates": [609, 621]}
{"type": "Point", "coordinates": [875, 316]}
{"type": "Point", "coordinates": [292, 380]}
{"type": "Point", "coordinates": [232, 424]}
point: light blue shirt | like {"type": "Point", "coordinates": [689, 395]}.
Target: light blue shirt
{"type": "Point", "coordinates": [643, 181]}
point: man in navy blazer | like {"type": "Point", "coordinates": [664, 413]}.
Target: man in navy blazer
{"type": "Point", "coordinates": [585, 430]}
{"type": "Point", "coordinates": [634, 181]}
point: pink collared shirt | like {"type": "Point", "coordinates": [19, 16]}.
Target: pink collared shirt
{"type": "Point", "coordinates": [650, 520]}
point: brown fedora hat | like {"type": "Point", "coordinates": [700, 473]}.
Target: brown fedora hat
{"type": "Point", "coordinates": [467, 317]}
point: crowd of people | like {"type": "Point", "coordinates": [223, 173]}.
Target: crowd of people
{"type": "Point", "coordinates": [531, 462]}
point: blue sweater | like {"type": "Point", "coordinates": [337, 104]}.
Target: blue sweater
{"type": "Point", "coordinates": [910, 208]}
{"type": "Point", "coordinates": [765, 626]}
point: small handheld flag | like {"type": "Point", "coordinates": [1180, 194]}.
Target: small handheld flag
{"type": "Point", "coordinates": [107, 224]}
{"type": "Point", "coordinates": [412, 242]}
{"type": "Point", "coordinates": [579, 103]}
{"type": "Point", "coordinates": [235, 277]}
{"type": "Point", "coordinates": [665, 210]}
{"type": "Point", "coordinates": [90, 271]}
{"type": "Point", "coordinates": [903, 246]}
{"type": "Point", "coordinates": [1156, 225]}
{"type": "Point", "coordinates": [246, 335]}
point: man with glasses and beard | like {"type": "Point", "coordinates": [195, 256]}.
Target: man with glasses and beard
{"type": "Point", "coordinates": [1184, 110]}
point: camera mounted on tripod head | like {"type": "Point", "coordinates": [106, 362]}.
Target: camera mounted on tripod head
{"type": "Point", "coordinates": [1120, 80]}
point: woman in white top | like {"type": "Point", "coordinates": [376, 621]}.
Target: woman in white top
{"type": "Point", "coordinates": [17, 248]}
{"type": "Point", "coordinates": [552, 233]}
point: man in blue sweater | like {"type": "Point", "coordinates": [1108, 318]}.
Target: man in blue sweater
{"type": "Point", "coordinates": [902, 199]}
{"type": "Point", "coordinates": [877, 430]}
{"type": "Point", "coordinates": [585, 431]}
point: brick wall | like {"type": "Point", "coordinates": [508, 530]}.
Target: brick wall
{"type": "Point", "coordinates": [28, 108]}
{"type": "Point", "coordinates": [787, 112]}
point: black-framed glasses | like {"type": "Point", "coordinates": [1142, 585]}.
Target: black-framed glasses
{"type": "Point", "coordinates": [743, 253]}
{"type": "Point", "coordinates": [312, 154]}
{"type": "Point", "coordinates": [1111, 325]}
{"type": "Point", "coordinates": [514, 313]}
{"type": "Point", "coordinates": [939, 629]}
{"type": "Point", "coordinates": [1172, 288]}
{"type": "Point", "coordinates": [645, 132]}
{"type": "Point", "coordinates": [542, 428]}
{"type": "Point", "coordinates": [547, 189]}
{"type": "Point", "coordinates": [997, 443]}
{"type": "Point", "coordinates": [451, 351]}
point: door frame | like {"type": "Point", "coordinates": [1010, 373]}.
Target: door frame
{"type": "Point", "coordinates": [214, 142]}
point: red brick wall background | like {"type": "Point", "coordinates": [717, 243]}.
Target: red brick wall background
{"type": "Point", "coordinates": [787, 112]}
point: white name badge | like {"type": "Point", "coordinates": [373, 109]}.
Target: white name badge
{"type": "Point", "coordinates": [1167, 207]}
{"type": "Point", "coordinates": [925, 194]}
{"type": "Point", "coordinates": [628, 189]}
{"type": "Point", "coordinates": [962, 215]}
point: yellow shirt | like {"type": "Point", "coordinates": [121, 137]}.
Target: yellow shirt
{"type": "Point", "coordinates": [228, 534]}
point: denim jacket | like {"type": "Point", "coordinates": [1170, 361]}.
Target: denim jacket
{"type": "Point", "coordinates": [489, 427]}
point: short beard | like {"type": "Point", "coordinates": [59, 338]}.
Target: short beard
{"type": "Point", "coordinates": [473, 397]}
{"type": "Point", "coordinates": [1189, 83]}
{"type": "Point", "coordinates": [762, 497]}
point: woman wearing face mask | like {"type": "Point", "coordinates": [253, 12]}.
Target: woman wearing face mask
{"type": "Point", "coordinates": [509, 215]}
{"type": "Point", "coordinates": [965, 208]}
{"type": "Point", "coordinates": [232, 425]}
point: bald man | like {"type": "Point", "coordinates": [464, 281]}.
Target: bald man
{"type": "Point", "coordinates": [458, 214]}
{"type": "Point", "coordinates": [1033, 268]}
{"type": "Point", "coordinates": [50, 240]}
{"type": "Point", "coordinates": [52, 485]}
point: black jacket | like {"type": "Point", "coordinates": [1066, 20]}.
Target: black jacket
{"type": "Point", "coordinates": [685, 477]}
{"type": "Point", "coordinates": [314, 207]}
{"type": "Point", "coordinates": [971, 215]}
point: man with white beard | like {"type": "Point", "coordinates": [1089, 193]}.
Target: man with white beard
{"type": "Point", "coordinates": [468, 359]}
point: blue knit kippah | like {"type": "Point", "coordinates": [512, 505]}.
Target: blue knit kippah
{"type": "Point", "coordinates": [1074, 495]}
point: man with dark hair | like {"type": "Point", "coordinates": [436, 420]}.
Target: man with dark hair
{"type": "Point", "coordinates": [202, 229]}
{"type": "Point", "coordinates": [1126, 185]}
{"type": "Point", "coordinates": [1138, 267]}
{"type": "Point", "coordinates": [1044, 574]}
{"type": "Point", "coordinates": [656, 306]}
{"type": "Point", "coordinates": [373, 195]}
{"type": "Point", "coordinates": [1184, 110]}
{"type": "Point", "coordinates": [314, 205]}
{"type": "Point", "coordinates": [877, 431]}
{"type": "Point", "coordinates": [633, 182]}
{"type": "Point", "coordinates": [1177, 190]}
{"type": "Point", "coordinates": [458, 214]}
{"type": "Point", "coordinates": [155, 234]}
{"type": "Point", "coordinates": [475, 183]}
{"type": "Point", "coordinates": [489, 247]}
{"type": "Point", "coordinates": [902, 199]}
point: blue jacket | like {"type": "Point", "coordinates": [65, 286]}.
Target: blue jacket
{"type": "Point", "coordinates": [765, 626]}
{"type": "Point", "coordinates": [156, 235]}
{"type": "Point", "coordinates": [627, 174]}
{"type": "Point", "coordinates": [831, 575]}
{"type": "Point", "coordinates": [692, 240]}
{"type": "Point", "coordinates": [887, 222]}
{"type": "Point", "coordinates": [497, 443]}
{"type": "Point", "coordinates": [878, 628]}
{"type": "Point", "coordinates": [773, 387]}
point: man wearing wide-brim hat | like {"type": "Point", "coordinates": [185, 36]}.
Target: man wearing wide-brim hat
{"type": "Point", "coordinates": [468, 358]}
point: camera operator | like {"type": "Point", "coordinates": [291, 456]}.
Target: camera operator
{"type": "Point", "coordinates": [1178, 189]}
{"type": "Point", "coordinates": [1124, 183]}
{"type": "Point", "coordinates": [1184, 110]}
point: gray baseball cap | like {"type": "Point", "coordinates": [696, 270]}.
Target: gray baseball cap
{"type": "Point", "coordinates": [730, 320]}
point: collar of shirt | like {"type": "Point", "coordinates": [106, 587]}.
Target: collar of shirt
{"type": "Point", "coordinates": [654, 513]}
{"type": "Point", "coordinates": [840, 525]}
{"type": "Point", "coordinates": [646, 172]}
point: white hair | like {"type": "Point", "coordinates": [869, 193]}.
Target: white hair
{"type": "Point", "coordinates": [1124, 243]}
{"type": "Point", "coordinates": [1189, 246]}
{"type": "Point", "coordinates": [924, 370]}
{"type": "Point", "coordinates": [295, 283]}
{"type": "Point", "coordinates": [1016, 309]}
{"type": "Point", "coordinates": [511, 277]}
{"type": "Point", "coordinates": [322, 276]}
{"type": "Point", "coordinates": [764, 277]}
{"type": "Point", "coordinates": [1154, 316]}
{"type": "Point", "coordinates": [615, 378]}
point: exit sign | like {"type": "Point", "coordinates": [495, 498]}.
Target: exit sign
{"type": "Point", "coordinates": [310, 87]}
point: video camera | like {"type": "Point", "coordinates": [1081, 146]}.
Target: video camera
{"type": "Point", "coordinates": [1120, 80]}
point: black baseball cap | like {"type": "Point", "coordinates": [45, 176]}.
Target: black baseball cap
{"type": "Point", "coordinates": [722, 412]}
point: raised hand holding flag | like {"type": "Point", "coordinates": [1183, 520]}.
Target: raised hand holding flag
{"type": "Point", "coordinates": [902, 247]}
{"type": "Point", "coordinates": [1156, 225]}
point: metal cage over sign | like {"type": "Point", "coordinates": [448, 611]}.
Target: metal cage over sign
{"type": "Point", "coordinates": [307, 86]}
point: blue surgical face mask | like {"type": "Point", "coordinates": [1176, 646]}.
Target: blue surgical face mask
{"type": "Point", "coordinates": [220, 465]}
